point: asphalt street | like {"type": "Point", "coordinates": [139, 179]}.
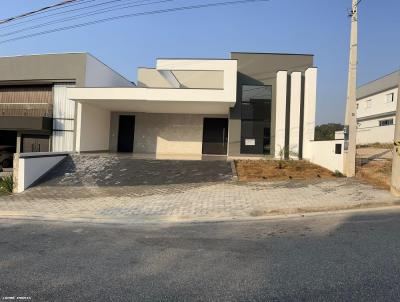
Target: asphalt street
{"type": "Point", "coordinates": [333, 257]}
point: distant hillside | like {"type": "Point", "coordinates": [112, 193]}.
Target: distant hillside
{"type": "Point", "coordinates": [327, 131]}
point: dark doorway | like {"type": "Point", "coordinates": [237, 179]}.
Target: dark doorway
{"type": "Point", "coordinates": [8, 142]}
{"type": "Point", "coordinates": [215, 136]}
{"type": "Point", "coordinates": [8, 138]}
{"type": "Point", "coordinates": [126, 133]}
{"type": "Point", "coordinates": [35, 143]}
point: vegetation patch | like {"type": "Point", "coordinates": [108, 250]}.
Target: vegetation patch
{"type": "Point", "coordinates": [6, 185]}
{"type": "Point", "coordinates": [327, 131]}
{"type": "Point", "coordinates": [377, 146]}
{"type": "Point", "coordinates": [274, 170]}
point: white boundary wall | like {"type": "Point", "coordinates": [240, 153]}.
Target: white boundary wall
{"type": "Point", "coordinates": [29, 167]}
{"type": "Point", "coordinates": [323, 154]}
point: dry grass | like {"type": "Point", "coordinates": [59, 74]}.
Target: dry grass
{"type": "Point", "coordinates": [377, 173]}
{"type": "Point", "coordinates": [377, 146]}
{"type": "Point", "coordinates": [271, 170]}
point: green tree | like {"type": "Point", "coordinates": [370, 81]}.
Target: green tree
{"type": "Point", "coordinates": [327, 131]}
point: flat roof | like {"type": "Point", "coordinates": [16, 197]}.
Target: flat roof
{"type": "Point", "coordinates": [272, 53]}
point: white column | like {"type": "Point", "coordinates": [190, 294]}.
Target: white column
{"type": "Point", "coordinates": [295, 100]}
{"type": "Point", "coordinates": [310, 101]}
{"type": "Point", "coordinates": [78, 128]}
{"type": "Point", "coordinates": [280, 116]}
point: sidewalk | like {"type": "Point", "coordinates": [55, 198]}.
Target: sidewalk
{"type": "Point", "coordinates": [192, 202]}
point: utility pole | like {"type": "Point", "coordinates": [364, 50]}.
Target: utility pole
{"type": "Point", "coordinates": [395, 183]}
{"type": "Point", "coordinates": [350, 127]}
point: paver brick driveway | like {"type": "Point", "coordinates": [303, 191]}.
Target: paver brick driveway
{"type": "Point", "coordinates": [120, 188]}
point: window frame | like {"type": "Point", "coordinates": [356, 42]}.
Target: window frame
{"type": "Point", "coordinates": [391, 97]}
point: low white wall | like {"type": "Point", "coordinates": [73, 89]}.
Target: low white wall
{"type": "Point", "coordinates": [31, 166]}
{"type": "Point", "coordinates": [93, 128]}
{"type": "Point", "coordinates": [339, 134]}
{"type": "Point", "coordinates": [376, 134]}
{"type": "Point", "coordinates": [322, 153]}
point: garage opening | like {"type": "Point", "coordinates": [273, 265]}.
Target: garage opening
{"type": "Point", "coordinates": [8, 142]}
{"type": "Point", "coordinates": [215, 136]}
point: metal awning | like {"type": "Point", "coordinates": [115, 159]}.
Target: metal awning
{"type": "Point", "coordinates": [18, 123]}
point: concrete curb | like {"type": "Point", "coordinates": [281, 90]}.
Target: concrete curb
{"type": "Point", "coordinates": [159, 220]}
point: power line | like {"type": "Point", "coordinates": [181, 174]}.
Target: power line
{"type": "Point", "coordinates": [24, 15]}
{"type": "Point", "coordinates": [154, 12]}
{"type": "Point", "coordinates": [62, 12]}
{"type": "Point", "coordinates": [86, 14]}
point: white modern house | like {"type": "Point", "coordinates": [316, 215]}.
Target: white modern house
{"type": "Point", "coordinates": [250, 105]}
{"type": "Point", "coordinates": [376, 109]}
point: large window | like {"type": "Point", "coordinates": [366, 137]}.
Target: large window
{"type": "Point", "coordinates": [256, 119]}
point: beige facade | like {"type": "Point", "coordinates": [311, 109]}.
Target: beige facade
{"type": "Point", "coordinates": [163, 134]}
{"type": "Point", "coordinates": [168, 134]}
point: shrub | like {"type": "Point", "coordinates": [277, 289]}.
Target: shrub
{"type": "Point", "coordinates": [6, 184]}
{"type": "Point", "coordinates": [337, 173]}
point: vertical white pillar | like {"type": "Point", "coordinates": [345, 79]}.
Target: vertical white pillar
{"type": "Point", "coordinates": [78, 127]}
{"type": "Point", "coordinates": [310, 101]}
{"type": "Point", "coordinates": [280, 115]}
{"type": "Point", "coordinates": [295, 101]}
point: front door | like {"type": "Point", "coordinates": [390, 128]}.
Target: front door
{"type": "Point", "coordinates": [126, 132]}
{"type": "Point", "coordinates": [215, 136]}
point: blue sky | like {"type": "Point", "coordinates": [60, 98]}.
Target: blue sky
{"type": "Point", "coordinates": [320, 27]}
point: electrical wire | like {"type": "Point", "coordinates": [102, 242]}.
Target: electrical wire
{"type": "Point", "coordinates": [63, 12]}
{"type": "Point", "coordinates": [147, 13]}
{"type": "Point", "coordinates": [40, 10]}
{"type": "Point", "coordinates": [86, 14]}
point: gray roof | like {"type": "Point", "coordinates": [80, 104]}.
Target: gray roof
{"type": "Point", "coordinates": [384, 83]}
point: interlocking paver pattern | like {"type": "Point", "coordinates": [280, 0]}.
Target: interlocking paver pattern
{"type": "Point", "coordinates": [173, 190]}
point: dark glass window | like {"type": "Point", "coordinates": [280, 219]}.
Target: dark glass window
{"type": "Point", "coordinates": [338, 149]}
{"type": "Point", "coordinates": [256, 119]}
{"type": "Point", "coordinates": [386, 122]}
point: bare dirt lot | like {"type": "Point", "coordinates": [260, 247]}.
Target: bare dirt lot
{"type": "Point", "coordinates": [274, 170]}
{"type": "Point", "coordinates": [374, 165]}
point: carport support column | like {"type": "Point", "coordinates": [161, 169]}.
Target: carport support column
{"type": "Point", "coordinates": [310, 100]}
{"type": "Point", "coordinates": [78, 127]}
{"type": "Point", "coordinates": [15, 175]}
{"type": "Point", "coordinates": [19, 141]}
{"type": "Point", "coordinates": [280, 119]}
{"type": "Point", "coordinates": [295, 102]}
{"type": "Point", "coordinates": [395, 183]}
